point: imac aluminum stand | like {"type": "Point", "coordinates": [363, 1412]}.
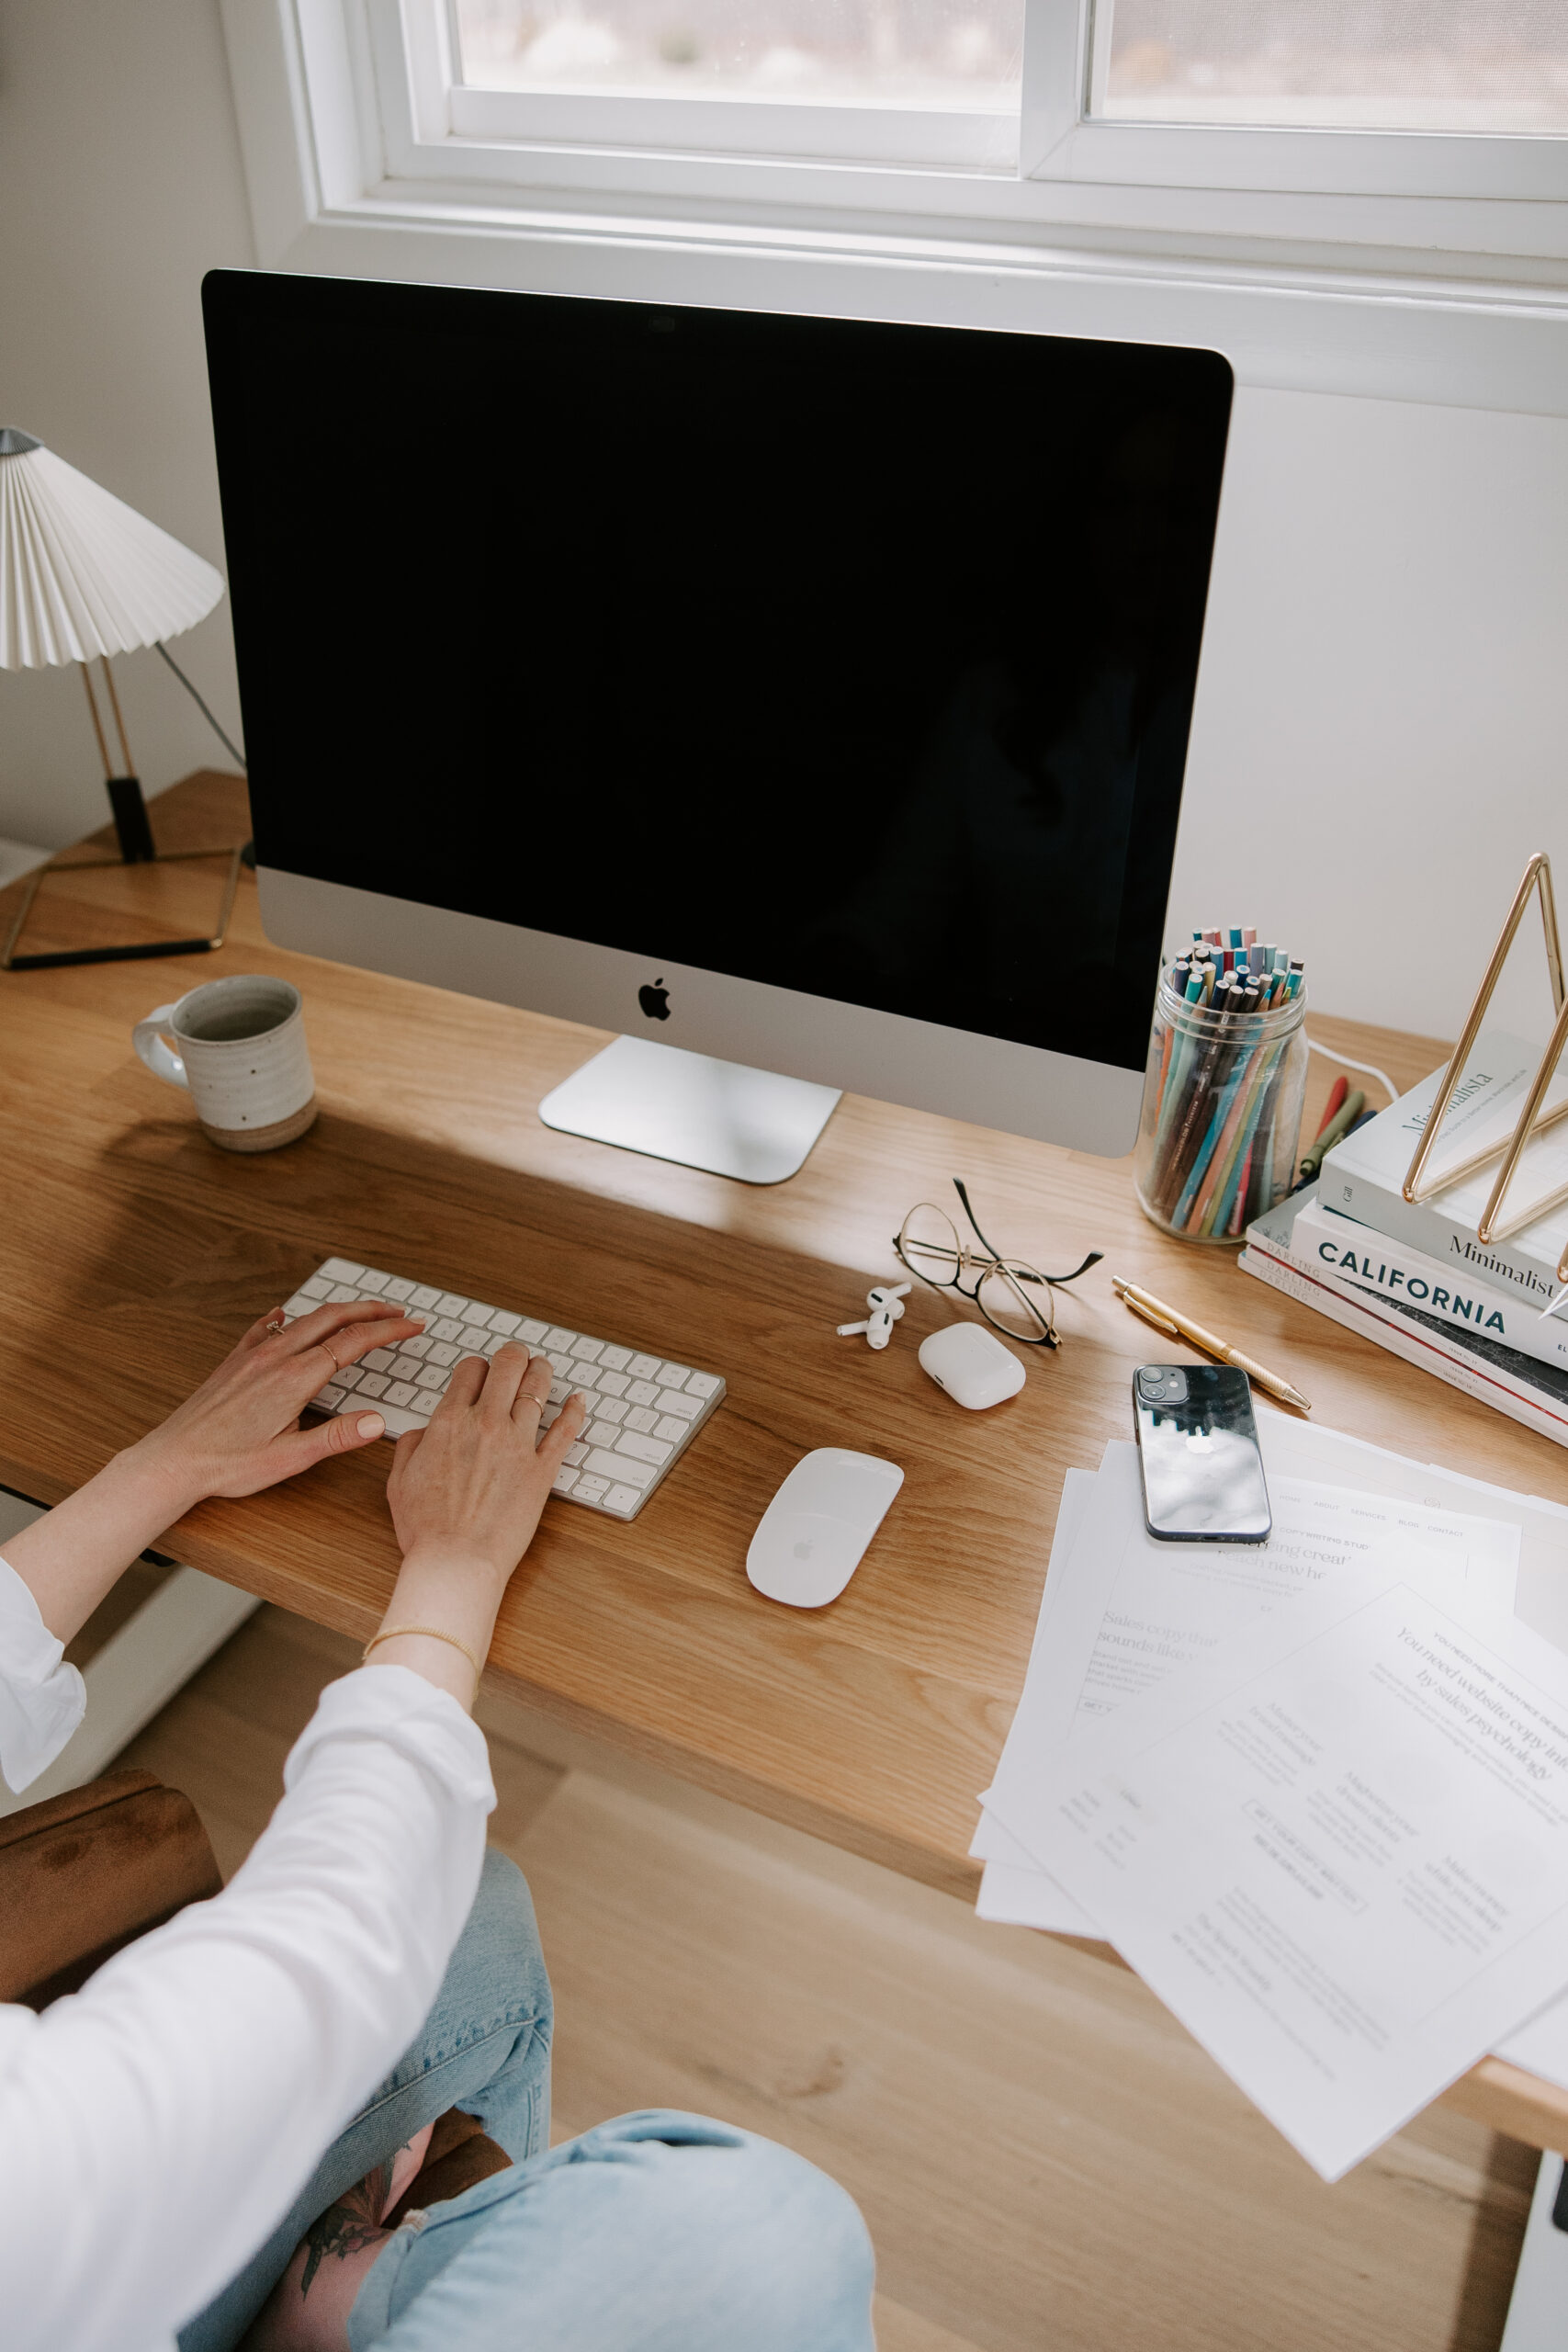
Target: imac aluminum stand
{"type": "Point", "coordinates": [721, 1116]}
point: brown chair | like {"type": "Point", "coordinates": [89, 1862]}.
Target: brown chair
{"type": "Point", "coordinates": [83, 1874]}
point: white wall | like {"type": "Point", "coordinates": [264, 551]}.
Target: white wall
{"type": "Point", "coordinates": [119, 186]}
{"type": "Point", "coordinates": [1381, 731]}
{"type": "Point", "coordinates": [1385, 700]}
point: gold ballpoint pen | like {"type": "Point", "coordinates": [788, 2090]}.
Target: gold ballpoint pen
{"type": "Point", "coordinates": [1178, 1327]}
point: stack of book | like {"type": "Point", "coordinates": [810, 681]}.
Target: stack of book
{"type": "Point", "coordinates": [1413, 1276]}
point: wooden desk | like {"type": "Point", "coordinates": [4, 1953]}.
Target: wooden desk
{"type": "Point", "coordinates": [133, 1252]}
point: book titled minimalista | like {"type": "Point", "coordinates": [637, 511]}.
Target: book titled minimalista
{"type": "Point", "coordinates": [1362, 1177]}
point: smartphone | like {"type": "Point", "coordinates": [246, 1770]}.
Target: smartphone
{"type": "Point", "coordinates": [1198, 1450]}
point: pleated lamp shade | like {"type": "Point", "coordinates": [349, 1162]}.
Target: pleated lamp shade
{"type": "Point", "coordinates": [82, 573]}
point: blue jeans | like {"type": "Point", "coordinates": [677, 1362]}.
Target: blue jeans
{"type": "Point", "coordinates": [656, 2232]}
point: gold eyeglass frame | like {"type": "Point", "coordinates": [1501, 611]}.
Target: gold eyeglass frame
{"type": "Point", "coordinates": [984, 1263]}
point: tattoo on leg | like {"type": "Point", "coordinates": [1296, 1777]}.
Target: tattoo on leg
{"type": "Point", "coordinates": [345, 2228]}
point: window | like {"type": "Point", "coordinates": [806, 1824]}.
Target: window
{"type": "Point", "coordinates": [1103, 153]}
{"type": "Point", "coordinates": [932, 82]}
{"type": "Point", "coordinates": [962, 53]}
{"type": "Point", "coordinates": [1450, 65]}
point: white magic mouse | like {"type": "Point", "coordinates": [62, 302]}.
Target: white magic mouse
{"type": "Point", "coordinates": [811, 1538]}
{"type": "Point", "coordinates": [972, 1365]}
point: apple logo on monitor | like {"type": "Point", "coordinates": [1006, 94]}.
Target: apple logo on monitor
{"type": "Point", "coordinates": [654, 999]}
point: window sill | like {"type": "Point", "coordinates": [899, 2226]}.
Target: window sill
{"type": "Point", "coordinates": [1458, 301]}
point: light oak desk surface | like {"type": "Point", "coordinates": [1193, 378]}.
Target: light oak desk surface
{"type": "Point", "coordinates": [132, 1253]}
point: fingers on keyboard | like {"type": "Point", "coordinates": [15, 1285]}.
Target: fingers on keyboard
{"type": "Point", "coordinates": [642, 1408]}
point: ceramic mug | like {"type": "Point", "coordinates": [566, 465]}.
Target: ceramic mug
{"type": "Point", "coordinates": [239, 1050]}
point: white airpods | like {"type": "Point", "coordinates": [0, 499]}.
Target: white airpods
{"type": "Point", "coordinates": [887, 1304]}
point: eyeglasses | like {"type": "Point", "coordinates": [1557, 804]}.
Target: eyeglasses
{"type": "Point", "coordinates": [930, 1246]}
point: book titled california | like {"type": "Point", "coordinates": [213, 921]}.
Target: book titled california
{"type": "Point", "coordinates": [1363, 1175]}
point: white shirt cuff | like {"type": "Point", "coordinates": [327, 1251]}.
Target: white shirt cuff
{"type": "Point", "coordinates": [42, 1700]}
{"type": "Point", "coordinates": [423, 1723]}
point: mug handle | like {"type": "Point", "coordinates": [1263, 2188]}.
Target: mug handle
{"type": "Point", "coordinates": [159, 1059]}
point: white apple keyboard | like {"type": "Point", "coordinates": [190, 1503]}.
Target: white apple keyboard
{"type": "Point", "coordinates": [642, 1411]}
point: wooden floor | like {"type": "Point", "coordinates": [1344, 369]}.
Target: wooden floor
{"type": "Point", "coordinates": [1046, 2161]}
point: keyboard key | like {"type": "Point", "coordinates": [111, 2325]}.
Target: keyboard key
{"type": "Point", "coordinates": [327, 1399]}
{"type": "Point", "coordinates": [639, 1418]}
{"type": "Point", "coordinates": [532, 1332]}
{"type": "Point", "coordinates": [642, 1449]}
{"type": "Point", "coordinates": [341, 1270]}
{"type": "Point", "coordinates": [318, 1287]}
{"type": "Point", "coordinates": [687, 1407]}
{"type": "Point", "coordinates": [399, 1420]}
{"type": "Point", "coordinates": [441, 1352]}
{"type": "Point", "coordinates": [502, 1321]}
{"type": "Point", "coordinates": [643, 1367]}
{"type": "Point", "coordinates": [406, 1366]}
{"type": "Point", "coordinates": [378, 1360]}
{"type": "Point", "coordinates": [373, 1281]}
{"type": "Point", "coordinates": [587, 1349]}
{"type": "Point", "coordinates": [341, 1296]}
{"type": "Point", "coordinates": [610, 1409]}
{"type": "Point", "coordinates": [701, 1384]}
{"type": "Point", "coordinates": [577, 1453]}
{"type": "Point", "coordinates": [669, 1428]}
{"type": "Point", "coordinates": [590, 1489]}
{"type": "Point", "coordinates": [563, 1366]}
{"type": "Point", "coordinates": [643, 1392]}
{"type": "Point", "coordinates": [430, 1376]}
{"type": "Point", "coordinates": [445, 1329]}
{"type": "Point", "coordinates": [616, 1359]}
{"type": "Point", "coordinates": [558, 1341]}
{"type": "Point", "coordinates": [617, 1465]}
{"type": "Point", "coordinates": [564, 1480]}
{"type": "Point", "coordinates": [603, 1433]}
{"type": "Point", "coordinates": [298, 1305]}
{"type": "Point", "coordinates": [373, 1384]}
{"type": "Point", "coordinates": [417, 1347]}
{"type": "Point", "coordinates": [493, 1342]}
{"type": "Point", "coordinates": [450, 1304]}
{"type": "Point", "coordinates": [399, 1393]}
{"type": "Point", "coordinates": [622, 1499]}
{"type": "Point", "coordinates": [398, 1289]}
{"type": "Point", "coordinates": [671, 1375]}
{"type": "Point", "coordinates": [479, 1315]}
{"type": "Point", "coordinates": [424, 1297]}
{"type": "Point", "coordinates": [560, 1390]}
{"type": "Point", "coordinates": [612, 1384]}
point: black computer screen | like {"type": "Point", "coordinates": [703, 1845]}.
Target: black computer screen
{"type": "Point", "coordinates": [851, 657]}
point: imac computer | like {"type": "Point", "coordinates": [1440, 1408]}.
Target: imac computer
{"type": "Point", "coordinates": [804, 699]}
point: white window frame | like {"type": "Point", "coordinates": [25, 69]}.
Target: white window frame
{"type": "Point", "coordinates": [1066, 136]}
{"type": "Point", "coordinates": [1403, 264]}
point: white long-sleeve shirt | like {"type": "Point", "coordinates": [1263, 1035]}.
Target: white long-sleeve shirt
{"type": "Point", "coordinates": [155, 2127]}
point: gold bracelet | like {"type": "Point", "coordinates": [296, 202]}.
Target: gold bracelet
{"type": "Point", "coordinates": [433, 1633]}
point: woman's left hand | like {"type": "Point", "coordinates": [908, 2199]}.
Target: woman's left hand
{"type": "Point", "coordinates": [241, 1429]}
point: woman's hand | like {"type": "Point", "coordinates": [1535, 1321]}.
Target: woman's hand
{"type": "Point", "coordinates": [241, 1429]}
{"type": "Point", "coordinates": [239, 1432]}
{"type": "Point", "coordinates": [472, 1486]}
{"type": "Point", "coordinates": [466, 1494]}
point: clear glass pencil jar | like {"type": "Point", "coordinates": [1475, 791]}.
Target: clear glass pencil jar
{"type": "Point", "coordinates": [1222, 1116]}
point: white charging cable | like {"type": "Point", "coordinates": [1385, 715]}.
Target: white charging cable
{"type": "Point", "coordinates": [1364, 1069]}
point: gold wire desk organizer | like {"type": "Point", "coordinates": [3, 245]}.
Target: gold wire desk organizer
{"type": "Point", "coordinates": [1533, 1121]}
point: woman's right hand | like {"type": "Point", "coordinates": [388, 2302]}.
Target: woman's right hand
{"type": "Point", "coordinates": [472, 1486]}
{"type": "Point", "coordinates": [466, 1494]}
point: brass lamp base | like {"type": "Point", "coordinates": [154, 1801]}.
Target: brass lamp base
{"type": "Point", "coordinates": [137, 847]}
